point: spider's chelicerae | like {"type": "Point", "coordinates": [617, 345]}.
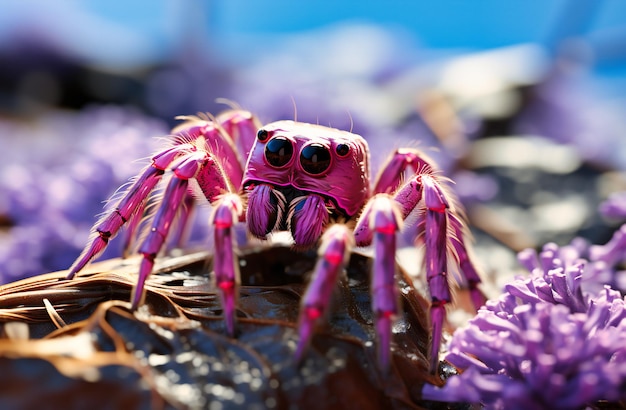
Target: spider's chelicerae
{"type": "Point", "coordinates": [313, 181]}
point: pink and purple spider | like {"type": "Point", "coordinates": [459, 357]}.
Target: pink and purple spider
{"type": "Point", "coordinates": [312, 181]}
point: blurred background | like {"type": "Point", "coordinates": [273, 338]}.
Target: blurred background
{"type": "Point", "coordinates": [522, 103]}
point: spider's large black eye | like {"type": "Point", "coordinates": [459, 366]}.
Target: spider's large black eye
{"type": "Point", "coordinates": [278, 151]}
{"type": "Point", "coordinates": [262, 135]}
{"type": "Point", "coordinates": [315, 159]}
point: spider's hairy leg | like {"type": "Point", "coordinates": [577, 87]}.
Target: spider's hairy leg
{"type": "Point", "coordinates": [241, 126]}
{"type": "Point", "coordinates": [443, 230]}
{"type": "Point", "coordinates": [383, 219]}
{"type": "Point", "coordinates": [131, 230]}
{"type": "Point", "coordinates": [391, 174]}
{"type": "Point", "coordinates": [226, 137]}
{"type": "Point", "coordinates": [184, 168]}
{"type": "Point", "coordinates": [227, 211]}
{"type": "Point", "coordinates": [126, 209]}
{"type": "Point", "coordinates": [442, 225]}
{"type": "Point", "coordinates": [435, 242]}
{"type": "Point", "coordinates": [208, 135]}
{"type": "Point", "coordinates": [183, 227]}
{"type": "Point", "coordinates": [379, 222]}
{"type": "Point", "coordinates": [470, 274]}
{"type": "Point", "coordinates": [336, 245]}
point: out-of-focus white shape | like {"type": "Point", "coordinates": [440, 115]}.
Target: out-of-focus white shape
{"type": "Point", "coordinates": [282, 238]}
{"type": "Point", "coordinates": [524, 152]}
{"type": "Point", "coordinates": [472, 76]}
{"type": "Point", "coordinates": [563, 215]}
{"type": "Point", "coordinates": [484, 82]}
{"type": "Point", "coordinates": [410, 259]}
{"type": "Point", "coordinates": [480, 84]}
{"type": "Point", "coordinates": [16, 330]}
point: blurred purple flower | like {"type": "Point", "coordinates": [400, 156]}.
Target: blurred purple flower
{"type": "Point", "coordinates": [568, 107]}
{"type": "Point", "coordinates": [598, 264]}
{"type": "Point", "coordinates": [544, 343]}
{"type": "Point", "coordinates": [61, 169]}
{"type": "Point", "coordinates": [614, 206]}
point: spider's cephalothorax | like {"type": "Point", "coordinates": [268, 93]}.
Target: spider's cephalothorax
{"type": "Point", "coordinates": [313, 181]}
{"type": "Point", "coordinates": [307, 176]}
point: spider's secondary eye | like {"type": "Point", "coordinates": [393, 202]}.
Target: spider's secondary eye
{"type": "Point", "coordinates": [315, 159]}
{"type": "Point", "coordinates": [342, 149]}
{"type": "Point", "coordinates": [278, 151]}
{"type": "Point", "coordinates": [262, 135]}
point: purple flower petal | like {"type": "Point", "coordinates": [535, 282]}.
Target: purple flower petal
{"type": "Point", "coordinates": [544, 343]}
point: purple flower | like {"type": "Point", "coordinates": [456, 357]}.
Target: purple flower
{"type": "Point", "coordinates": [607, 258]}
{"type": "Point", "coordinates": [544, 343]}
{"type": "Point", "coordinates": [562, 108]}
{"type": "Point", "coordinates": [614, 206]}
{"type": "Point", "coordinates": [598, 264]}
{"type": "Point", "coordinates": [61, 168]}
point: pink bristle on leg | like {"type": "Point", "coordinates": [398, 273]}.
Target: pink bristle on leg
{"type": "Point", "coordinates": [465, 264]}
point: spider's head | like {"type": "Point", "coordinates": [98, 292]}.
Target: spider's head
{"type": "Point", "coordinates": [312, 158]}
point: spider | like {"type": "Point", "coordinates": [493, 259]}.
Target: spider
{"type": "Point", "coordinates": [312, 181]}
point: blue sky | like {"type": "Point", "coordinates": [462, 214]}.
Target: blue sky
{"type": "Point", "coordinates": [153, 29]}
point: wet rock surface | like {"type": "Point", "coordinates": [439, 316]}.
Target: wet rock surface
{"type": "Point", "coordinates": [76, 344]}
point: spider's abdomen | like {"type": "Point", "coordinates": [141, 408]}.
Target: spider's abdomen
{"type": "Point", "coordinates": [312, 158]}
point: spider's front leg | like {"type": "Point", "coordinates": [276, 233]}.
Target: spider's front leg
{"type": "Point", "coordinates": [335, 247]}
{"type": "Point", "coordinates": [227, 211]}
{"type": "Point", "coordinates": [127, 208]}
{"type": "Point", "coordinates": [389, 181]}
{"type": "Point", "coordinates": [443, 232]}
{"type": "Point", "coordinates": [378, 224]}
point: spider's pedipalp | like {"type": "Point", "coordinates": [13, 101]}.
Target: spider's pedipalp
{"type": "Point", "coordinates": [307, 219]}
{"type": "Point", "coordinates": [265, 210]}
